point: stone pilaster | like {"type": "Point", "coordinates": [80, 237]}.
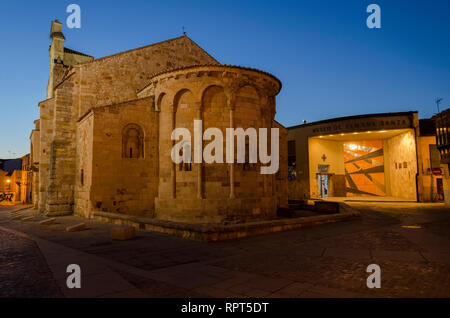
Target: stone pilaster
{"type": "Point", "coordinates": [200, 165]}
{"type": "Point", "coordinates": [60, 196]}
{"type": "Point", "coordinates": [232, 165]}
{"type": "Point", "coordinates": [167, 173]}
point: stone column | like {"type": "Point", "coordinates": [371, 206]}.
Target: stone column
{"type": "Point", "coordinates": [265, 125]}
{"type": "Point", "coordinates": [269, 140]}
{"type": "Point", "coordinates": [200, 165]}
{"type": "Point", "coordinates": [173, 175]}
{"type": "Point", "coordinates": [232, 195]}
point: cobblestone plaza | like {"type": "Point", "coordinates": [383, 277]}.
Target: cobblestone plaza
{"type": "Point", "coordinates": [410, 242]}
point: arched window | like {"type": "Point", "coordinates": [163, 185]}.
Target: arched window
{"type": "Point", "coordinates": [186, 165]}
{"type": "Point", "coordinates": [132, 141]}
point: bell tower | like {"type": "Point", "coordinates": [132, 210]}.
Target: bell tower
{"type": "Point", "coordinates": [56, 53]}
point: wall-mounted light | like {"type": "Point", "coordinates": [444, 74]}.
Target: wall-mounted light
{"type": "Point", "coordinates": [8, 181]}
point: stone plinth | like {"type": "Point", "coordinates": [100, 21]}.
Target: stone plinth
{"type": "Point", "coordinates": [123, 233]}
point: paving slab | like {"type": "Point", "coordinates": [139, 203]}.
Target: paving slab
{"type": "Point", "coordinates": [97, 279]}
{"type": "Point", "coordinates": [292, 290]}
{"type": "Point", "coordinates": [397, 256]}
{"type": "Point", "coordinates": [351, 253]}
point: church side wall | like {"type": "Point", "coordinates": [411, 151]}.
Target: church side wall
{"type": "Point", "coordinates": [83, 179]}
{"type": "Point", "coordinates": [121, 184]}
{"type": "Point", "coordinates": [46, 133]}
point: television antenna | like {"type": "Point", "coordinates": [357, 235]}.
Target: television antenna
{"type": "Point", "coordinates": [438, 102]}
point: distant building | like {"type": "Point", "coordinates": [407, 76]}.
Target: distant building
{"type": "Point", "coordinates": [10, 165]}
{"type": "Point", "coordinates": [26, 168]}
{"type": "Point", "coordinates": [442, 121]}
{"type": "Point", "coordinates": [385, 156]}
{"type": "Point", "coordinates": [14, 181]}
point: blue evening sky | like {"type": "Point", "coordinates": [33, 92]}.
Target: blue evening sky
{"type": "Point", "coordinates": [330, 63]}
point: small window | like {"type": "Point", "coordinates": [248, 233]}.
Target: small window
{"type": "Point", "coordinates": [186, 165]}
{"type": "Point", "coordinates": [132, 142]}
{"type": "Point", "coordinates": [82, 177]}
{"type": "Point", "coordinates": [247, 166]}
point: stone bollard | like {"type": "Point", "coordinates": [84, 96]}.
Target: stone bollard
{"type": "Point", "coordinates": [76, 228]}
{"type": "Point", "coordinates": [48, 221]}
{"type": "Point", "coordinates": [123, 233]}
{"type": "Point", "coordinates": [28, 219]}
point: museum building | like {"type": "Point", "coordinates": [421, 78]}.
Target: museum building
{"type": "Point", "coordinates": [383, 157]}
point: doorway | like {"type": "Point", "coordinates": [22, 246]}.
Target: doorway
{"type": "Point", "coordinates": [323, 185]}
{"type": "Point", "coordinates": [440, 189]}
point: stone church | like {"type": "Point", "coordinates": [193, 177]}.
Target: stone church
{"type": "Point", "coordinates": [103, 142]}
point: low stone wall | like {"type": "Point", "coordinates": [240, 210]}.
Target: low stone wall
{"type": "Point", "coordinates": [225, 232]}
{"type": "Point", "coordinates": [198, 211]}
{"type": "Point", "coordinates": [326, 207]}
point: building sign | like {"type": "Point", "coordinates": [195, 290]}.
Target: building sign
{"type": "Point", "coordinates": [436, 171]}
{"type": "Point", "coordinates": [363, 125]}
{"type": "Point", "coordinates": [323, 168]}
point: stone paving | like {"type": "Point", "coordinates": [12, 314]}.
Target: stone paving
{"type": "Point", "coordinates": [23, 269]}
{"type": "Point", "coordinates": [409, 241]}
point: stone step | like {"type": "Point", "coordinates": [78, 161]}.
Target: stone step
{"type": "Point", "coordinates": [48, 221]}
{"type": "Point", "coordinates": [28, 219]}
{"type": "Point", "coordinates": [76, 228]}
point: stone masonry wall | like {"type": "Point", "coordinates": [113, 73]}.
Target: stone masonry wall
{"type": "Point", "coordinates": [83, 175]}
{"type": "Point", "coordinates": [117, 78]}
{"type": "Point", "coordinates": [222, 97]}
{"type": "Point", "coordinates": [63, 150]}
{"type": "Point", "coordinates": [108, 80]}
{"type": "Point", "coordinates": [46, 135]}
{"type": "Point", "coordinates": [119, 184]}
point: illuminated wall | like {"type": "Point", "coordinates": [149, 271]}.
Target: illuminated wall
{"type": "Point", "coordinates": [324, 152]}
{"type": "Point", "coordinates": [364, 168]}
{"type": "Point", "coordinates": [401, 166]}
